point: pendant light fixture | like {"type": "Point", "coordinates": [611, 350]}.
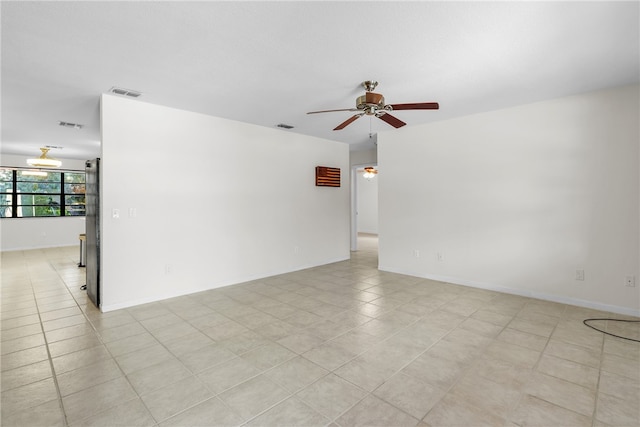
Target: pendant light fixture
{"type": "Point", "coordinates": [43, 161]}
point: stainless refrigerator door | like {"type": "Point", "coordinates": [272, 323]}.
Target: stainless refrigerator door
{"type": "Point", "coordinates": [93, 230]}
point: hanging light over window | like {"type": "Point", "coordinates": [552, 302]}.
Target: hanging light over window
{"type": "Point", "coordinates": [34, 173]}
{"type": "Point", "coordinates": [369, 172]}
{"type": "Point", "coordinates": [43, 161]}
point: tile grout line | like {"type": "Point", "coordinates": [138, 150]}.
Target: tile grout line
{"type": "Point", "coordinates": [193, 374]}
{"type": "Point", "coordinates": [291, 394]}
{"type": "Point", "coordinates": [371, 393]}
{"type": "Point", "coordinates": [46, 341]}
{"type": "Point", "coordinates": [597, 390]}
{"type": "Point", "coordinates": [99, 337]}
{"type": "Point", "coordinates": [533, 368]}
{"type": "Point", "coordinates": [466, 370]}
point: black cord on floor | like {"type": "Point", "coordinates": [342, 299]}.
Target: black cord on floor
{"type": "Point", "coordinates": [608, 333]}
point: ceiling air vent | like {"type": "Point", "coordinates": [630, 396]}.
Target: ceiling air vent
{"type": "Point", "coordinates": [283, 126]}
{"type": "Point", "coordinates": [70, 125]}
{"type": "Point", "coordinates": [125, 92]}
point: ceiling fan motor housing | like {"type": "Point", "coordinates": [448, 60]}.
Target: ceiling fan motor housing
{"type": "Point", "coordinates": [370, 102]}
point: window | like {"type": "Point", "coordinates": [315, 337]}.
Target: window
{"type": "Point", "coordinates": [27, 193]}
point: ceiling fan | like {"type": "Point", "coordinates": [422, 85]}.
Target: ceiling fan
{"type": "Point", "coordinates": [372, 104]}
{"type": "Point", "coordinates": [369, 172]}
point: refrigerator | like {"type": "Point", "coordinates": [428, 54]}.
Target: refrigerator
{"type": "Point", "coordinates": [92, 200]}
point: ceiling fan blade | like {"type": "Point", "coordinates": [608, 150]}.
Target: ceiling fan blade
{"type": "Point", "coordinates": [348, 122]}
{"type": "Point", "coordinates": [416, 106]}
{"type": "Point", "coordinates": [393, 121]}
{"type": "Point", "coordinates": [330, 111]}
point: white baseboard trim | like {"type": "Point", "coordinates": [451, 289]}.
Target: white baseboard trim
{"type": "Point", "coordinates": [35, 248]}
{"type": "Point", "coordinates": [236, 281]}
{"type": "Point", "coordinates": [627, 311]}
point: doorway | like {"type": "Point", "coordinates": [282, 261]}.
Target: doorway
{"type": "Point", "coordinates": [364, 207]}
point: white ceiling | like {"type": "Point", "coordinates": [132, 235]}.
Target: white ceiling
{"type": "Point", "coordinates": [271, 62]}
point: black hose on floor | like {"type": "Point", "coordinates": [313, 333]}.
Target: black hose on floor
{"type": "Point", "coordinates": [609, 333]}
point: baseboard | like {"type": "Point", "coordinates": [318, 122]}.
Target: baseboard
{"type": "Point", "coordinates": [35, 248]}
{"type": "Point", "coordinates": [522, 292]}
{"type": "Point", "coordinates": [236, 281]}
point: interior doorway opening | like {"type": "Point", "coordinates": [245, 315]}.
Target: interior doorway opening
{"type": "Point", "coordinates": [367, 253]}
{"type": "Point", "coordinates": [364, 209]}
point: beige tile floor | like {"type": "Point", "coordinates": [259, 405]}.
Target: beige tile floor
{"type": "Point", "coordinates": [341, 345]}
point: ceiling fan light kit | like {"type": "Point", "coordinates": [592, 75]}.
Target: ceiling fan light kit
{"type": "Point", "coordinates": [43, 161]}
{"type": "Point", "coordinates": [373, 104]}
{"type": "Point", "coordinates": [369, 172]}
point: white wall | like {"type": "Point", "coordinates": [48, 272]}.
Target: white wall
{"type": "Point", "coordinates": [217, 202]}
{"type": "Point", "coordinates": [362, 157]}
{"type": "Point", "coordinates": [519, 199]}
{"type": "Point", "coordinates": [34, 233]}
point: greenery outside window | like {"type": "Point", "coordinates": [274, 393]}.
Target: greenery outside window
{"type": "Point", "coordinates": [27, 193]}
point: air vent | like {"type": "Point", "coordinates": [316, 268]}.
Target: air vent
{"type": "Point", "coordinates": [70, 125]}
{"type": "Point", "coordinates": [125, 92]}
{"type": "Point", "coordinates": [284, 126]}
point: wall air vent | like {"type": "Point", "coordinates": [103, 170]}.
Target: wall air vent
{"type": "Point", "coordinates": [283, 126]}
{"type": "Point", "coordinates": [70, 125]}
{"type": "Point", "coordinates": [125, 92]}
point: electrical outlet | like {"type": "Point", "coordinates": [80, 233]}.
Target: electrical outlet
{"type": "Point", "coordinates": [440, 256]}
{"type": "Point", "coordinates": [168, 269]}
{"type": "Point", "coordinates": [579, 274]}
{"type": "Point", "coordinates": [416, 253]}
{"type": "Point", "coordinates": [630, 281]}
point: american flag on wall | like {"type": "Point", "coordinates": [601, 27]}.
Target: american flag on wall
{"type": "Point", "coordinates": [327, 177]}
